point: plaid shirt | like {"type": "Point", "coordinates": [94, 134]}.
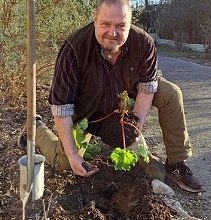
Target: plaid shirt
{"type": "Point", "coordinates": [66, 81]}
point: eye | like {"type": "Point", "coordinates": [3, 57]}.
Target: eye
{"type": "Point", "coordinates": [122, 26]}
{"type": "Point", "coordinates": [104, 24]}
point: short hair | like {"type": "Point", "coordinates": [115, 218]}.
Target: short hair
{"type": "Point", "coordinates": [120, 2]}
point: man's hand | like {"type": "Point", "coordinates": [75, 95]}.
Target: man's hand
{"type": "Point", "coordinates": [64, 128]}
{"type": "Point", "coordinates": [76, 163]}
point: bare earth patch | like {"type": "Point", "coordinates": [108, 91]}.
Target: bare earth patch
{"type": "Point", "coordinates": [108, 194]}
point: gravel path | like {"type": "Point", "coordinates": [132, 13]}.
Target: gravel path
{"type": "Point", "coordinates": [195, 82]}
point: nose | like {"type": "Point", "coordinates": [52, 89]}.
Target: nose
{"type": "Point", "coordinates": [112, 31]}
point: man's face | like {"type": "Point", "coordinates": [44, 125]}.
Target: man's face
{"type": "Point", "coordinates": [112, 24]}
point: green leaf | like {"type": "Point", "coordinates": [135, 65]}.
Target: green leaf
{"type": "Point", "coordinates": [126, 102]}
{"type": "Point", "coordinates": [123, 159]}
{"type": "Point", "coordinates": [82, 139]}
{"type": "Point", "coordinates": [130, 104]}
{"type": "Point", "coordinates": [79, 134]}
{"type": "Point", "coordinates": [83, 124]}
{"type": "Point", "coordinates": [142, 151]}
{"type": "Point", "coordinates": [91, 150]}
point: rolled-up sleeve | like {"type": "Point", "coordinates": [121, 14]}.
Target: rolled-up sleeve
{"type": "Point", "coordinates": [148, 88]}
{"type": "Point", "coordinates": [148, 81]}
{"type": "Point", "coordinates": [62, 110]}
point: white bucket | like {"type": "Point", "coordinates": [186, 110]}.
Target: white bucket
{"type": "Point", "coordinates": [38, 179]}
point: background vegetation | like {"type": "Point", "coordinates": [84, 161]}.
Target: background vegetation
{"type": "Point", "coordinates": [184, 21]}
{"type": "Point", "coordinates": [189, 19]}
{"type": "Point", "coordinates": [55, 19]}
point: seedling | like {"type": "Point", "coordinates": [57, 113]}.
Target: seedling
{"type": "Point", "coordinates": [125, 159]}
{"type": "Point", "coordinates": [82, 140]}
{"type": "Point", "coordinates": [122, 158]}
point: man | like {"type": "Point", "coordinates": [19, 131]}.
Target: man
{"type": "Point", "coordinates": [96, 63]}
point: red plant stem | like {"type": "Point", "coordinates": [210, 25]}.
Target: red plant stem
{"type": "Point", "coordinates": [123, 133]}
{"type": "Point", "coordinates": [122, 123]}
{"type": "Point", "coordinates": [101, 119]}
{"type": "Point", "coordinates": [132, 126]}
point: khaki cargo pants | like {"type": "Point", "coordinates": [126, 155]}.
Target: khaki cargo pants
{"type": "Point", "coordinates": [168, 100]}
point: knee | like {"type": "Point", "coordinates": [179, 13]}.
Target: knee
{"type": "Point", "coordinates": [175, 94]}
{"type": "Point", "coordinates": [168, 94]}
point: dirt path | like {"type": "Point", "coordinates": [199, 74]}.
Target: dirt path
{"type": "Point", "coordinates": [195, 82]}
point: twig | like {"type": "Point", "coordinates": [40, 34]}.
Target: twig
{"type": "Point", "coordinates": [49, 203]}
{"type": "Point", "coordinates": [123, 133]}
{"type": "Point", "coordinates": [46, 211]}
{"type": "Point", "coordinates": [47, 65]}
{"type": "Point", "coordinates": [132, 126]}
{"type": "Point", "coordinates": [101, 119]}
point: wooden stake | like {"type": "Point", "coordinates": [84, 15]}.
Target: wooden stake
{"type": "Point", "coordinates": [31, 93]}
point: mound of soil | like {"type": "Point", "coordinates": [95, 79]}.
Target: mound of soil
{"type": "Point", "coordinates": [110, 129]}
{"type": "Point", "coordinates": [107, 195]}
{"type": "Point", "coordinates": [112, 195]}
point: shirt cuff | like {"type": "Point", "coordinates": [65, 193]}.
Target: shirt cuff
{"type": "Point", "coordinates": [62, 111]}
{"type": "Point", "coordinates": [148, 87]}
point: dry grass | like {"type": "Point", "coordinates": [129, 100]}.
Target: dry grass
{"type": "Point", "coordinates": [198, 57]}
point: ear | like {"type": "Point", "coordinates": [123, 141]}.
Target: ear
{"type": "Point", "coordinates": [94, 16]}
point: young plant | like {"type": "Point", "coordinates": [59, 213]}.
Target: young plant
{"type": "Point", "coordinates": [126, 104]}
{"type": "Point", "coordinates": [124, 159]}
{"type": "Point", "coordinates": [82, 140]}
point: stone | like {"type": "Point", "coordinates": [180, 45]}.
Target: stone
{"type": "Point", "coordinates": [161, 188]}
{"type": "Point", "coordinates": [175, 205]}
{"type": "Point", "coordinates": [154, 169]}
{"type": "Point", "coordinates": [1, 146]}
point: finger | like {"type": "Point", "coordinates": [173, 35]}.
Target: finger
{"type": "Point", "coordinates": [88, 173]}
{"type": "Point", "coordinates": [87, 166]}
{"type": "Point", "coordinates": [91, 172]}
{"type": "Point", "coordinates": [80, 171]}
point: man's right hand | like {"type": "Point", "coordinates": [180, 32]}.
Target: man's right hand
{"type": "Point", "coordinates": [76, 163]}
{"type": "Point", "coordinates": [64, 126]}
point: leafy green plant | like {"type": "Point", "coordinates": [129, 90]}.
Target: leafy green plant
{"type": "Point", "coordinates": [122, 158]}
{"type": "Point", "coordinates": [143, 152]}
{"type": "Point", "coordinates": [92, 149]}
{"type": "Point", "coordinates": [82, 140]}
{"type": "Point", "coordinates": [125, 104]}
{"type": "Point", "coordinates": [125, 159]}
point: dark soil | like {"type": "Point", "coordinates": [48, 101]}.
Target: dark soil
{"type": "Point", "coordinates": [108, 194]}
{"type": "Point", "coordinates": [111, 130]}
{"type": "Point", "coordinates": [111, 194]}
